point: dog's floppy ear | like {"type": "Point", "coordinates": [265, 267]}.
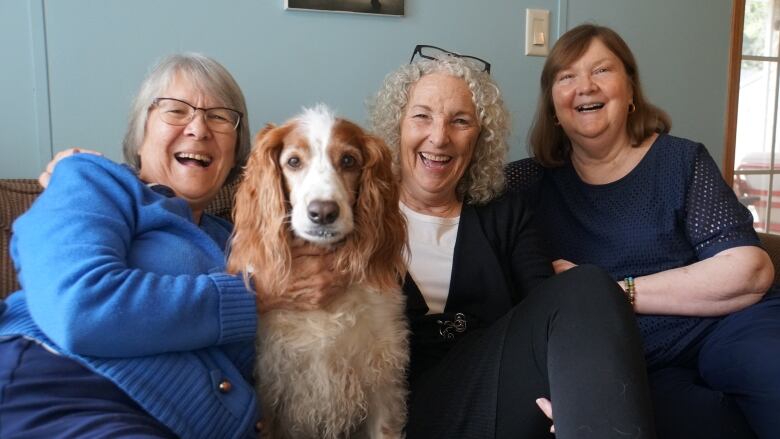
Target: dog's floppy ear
{"type": "Point", "coordinates": [260, 238]}
{"type": "Point", "coordinates": [379, 241]}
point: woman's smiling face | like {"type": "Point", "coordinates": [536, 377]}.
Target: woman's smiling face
{"type": "Point", "coordinates": [191, 159]}
{"type": "Point", "coordinates": [592, 97]}
{"type": "Point", "coordinates": [439, 129]}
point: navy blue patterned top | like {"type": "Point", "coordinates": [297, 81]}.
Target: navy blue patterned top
{"type": "Point", "coordinates": [671, 210]}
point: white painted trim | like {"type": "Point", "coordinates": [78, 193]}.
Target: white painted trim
{"type": "Point", "coordinates": [563, 18]}
{"type": "Point", "coordinates": [40, 66]}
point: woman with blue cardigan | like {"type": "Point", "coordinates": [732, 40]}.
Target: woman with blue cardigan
{"type": "Point", "coordinates": [126, 324]}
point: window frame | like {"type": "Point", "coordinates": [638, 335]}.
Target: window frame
{"type": "Point", "coordinates": [732, 94]}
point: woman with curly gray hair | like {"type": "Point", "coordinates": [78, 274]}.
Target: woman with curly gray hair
{"type": "Point", "coordinates": [484, 177]}
{"type": "Point", "coordinates": [492, 331]}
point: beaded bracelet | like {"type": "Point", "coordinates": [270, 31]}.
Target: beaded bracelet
{"type": "Point", "coordinates": [630, 289]}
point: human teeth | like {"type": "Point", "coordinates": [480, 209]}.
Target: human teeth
{"type": "Point", "coordinates": [435, 157]}
{"type": "Point", "coordinates": [199, 157]}
{"type": "Point", "coordinates": [587, 107]}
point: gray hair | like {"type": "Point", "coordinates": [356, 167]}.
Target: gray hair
{"type": "Point", "coordinates": [484, 178]}
{"type": "Point", "coordinates": [206, 74]}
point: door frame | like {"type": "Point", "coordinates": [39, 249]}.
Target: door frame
{"type": "Point", "coordinates": [732, 94]}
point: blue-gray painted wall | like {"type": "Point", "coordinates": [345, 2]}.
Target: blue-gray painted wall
{"type": "Point", "coordinates": [69, 68]}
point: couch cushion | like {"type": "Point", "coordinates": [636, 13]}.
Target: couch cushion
{"type": "Point", "coordinates": [222, 204]}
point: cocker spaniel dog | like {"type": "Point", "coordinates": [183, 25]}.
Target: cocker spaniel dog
{"type": "Point", "coordinates": [339, 371]}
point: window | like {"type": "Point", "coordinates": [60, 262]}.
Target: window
{"type": "Point", "coordinates": [755, 154]}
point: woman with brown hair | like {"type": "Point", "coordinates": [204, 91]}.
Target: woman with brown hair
{"type": "Point", "coordinates": [614, 189]}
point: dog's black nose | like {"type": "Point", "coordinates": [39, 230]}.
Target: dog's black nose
{"type": "Point", "coordinates": [323, 212]}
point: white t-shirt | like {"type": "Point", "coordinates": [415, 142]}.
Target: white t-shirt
{"type": "Point", "coordinates": [431, 247]}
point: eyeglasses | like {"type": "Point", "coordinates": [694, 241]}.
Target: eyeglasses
{"type": "Point", "coordinates": [433, 52]}
{"type": "Point", "coordinates": [177, 112]}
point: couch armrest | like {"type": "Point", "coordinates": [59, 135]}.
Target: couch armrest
{"type": "Point", "coordinates": [771, 244]}
{"type": "Point", "coordinates": [16, 196]}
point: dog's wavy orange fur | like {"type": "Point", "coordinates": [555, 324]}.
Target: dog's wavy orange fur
{"type": "Point", "coordinates": [373, 254]}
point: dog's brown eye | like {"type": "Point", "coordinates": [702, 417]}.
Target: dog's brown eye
{"type": "Point", "coordinates": [347, 161]}
{"type": "Point", "coordinates": [294, 162]}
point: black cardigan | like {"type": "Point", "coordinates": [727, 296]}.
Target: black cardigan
{"type": "Point", "coordinates": [497, 260]}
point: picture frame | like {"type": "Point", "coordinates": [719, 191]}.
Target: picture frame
{"type": "Point", "coordinates": [374, 7]}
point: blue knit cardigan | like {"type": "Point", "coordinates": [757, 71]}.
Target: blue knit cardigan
{"type": "Point", "coordinates": [118, 277]}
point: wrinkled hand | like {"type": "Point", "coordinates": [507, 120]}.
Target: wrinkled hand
{"type": "Point", "coordinates": [45, 176]}
{"type": "Point", "coordinates": [546, 407]}
{"type": "Point", "coordinates": [561, 265]}
{"type": "Point", "coordinates": [313, 282]}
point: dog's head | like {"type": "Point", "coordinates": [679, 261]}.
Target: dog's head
{"type": "Point", "coordinates": [326, 181]}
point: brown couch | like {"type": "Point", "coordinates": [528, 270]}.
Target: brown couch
{"type": "Point", "coordinates": [17, 195]}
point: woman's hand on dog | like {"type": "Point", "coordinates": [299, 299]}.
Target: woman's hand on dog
{"type": "Point", "coordinates": [313, 282]}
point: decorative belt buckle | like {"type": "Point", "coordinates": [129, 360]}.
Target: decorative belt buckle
{"type": "Point", "coordinates": [447, 328]}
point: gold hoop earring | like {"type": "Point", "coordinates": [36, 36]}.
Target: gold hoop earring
{"type": "Point", "coordinates": [631, 108]}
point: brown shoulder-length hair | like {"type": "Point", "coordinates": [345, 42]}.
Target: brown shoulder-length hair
{"type": "Point", "coordinates": [548, 143]}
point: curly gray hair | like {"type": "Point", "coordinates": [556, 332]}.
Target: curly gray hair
{"type": "Point", "coordinates": [484, 178]}
{"type": "Point", "coordinates": [208, 75]}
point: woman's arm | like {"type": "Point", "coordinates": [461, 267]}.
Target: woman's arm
{"type": "Point", "coordinates": [724, 283]}
{"type": "Point", "coordinates": [314, 283]}
{"type": "Point", "coordinates": [110, 269]}
{"type": "Point", "coordinates": [731, 273]}
{"type": "Point", "coordinates": [727, 282]}
{"type": "Point", "coordinates": [529, 261]}
{"type": "Point", "coordinates": [731, 280]}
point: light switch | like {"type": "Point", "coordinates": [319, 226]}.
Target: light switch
{"type": "Point", "coordinates": [537, 32]}
{"type": "Point", "coordinates": [538, 37]}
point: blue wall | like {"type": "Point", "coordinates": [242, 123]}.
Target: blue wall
{"type": "Point", "coordinates": [70, 68]}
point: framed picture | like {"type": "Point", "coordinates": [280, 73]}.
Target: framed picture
{"type": "Point", "coordinates": [381, 7]}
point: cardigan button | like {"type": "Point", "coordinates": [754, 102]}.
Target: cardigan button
{"type": "Point", "coordinates": [225, 386]}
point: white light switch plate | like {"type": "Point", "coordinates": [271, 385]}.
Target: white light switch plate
{"type": "Point", "coordinates": [537, 32]}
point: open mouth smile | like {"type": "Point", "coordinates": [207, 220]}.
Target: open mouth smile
{"type": "Point", "coordinates": [188, 158]}
{"type": "Point", "coordinates": [585, 108]}
{"type": "Point", "coordinates": [434, 160]}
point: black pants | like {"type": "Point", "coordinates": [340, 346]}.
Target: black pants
{"type": "Point", "coordinates": [45, 395]}
{"type": "Point", "coordinates": [573, 339]}
{"type": "Point", "coordinates": [727, 385]}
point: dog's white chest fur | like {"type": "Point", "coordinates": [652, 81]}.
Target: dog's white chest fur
{"type": "Point", "coordinates": [338, 372]}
